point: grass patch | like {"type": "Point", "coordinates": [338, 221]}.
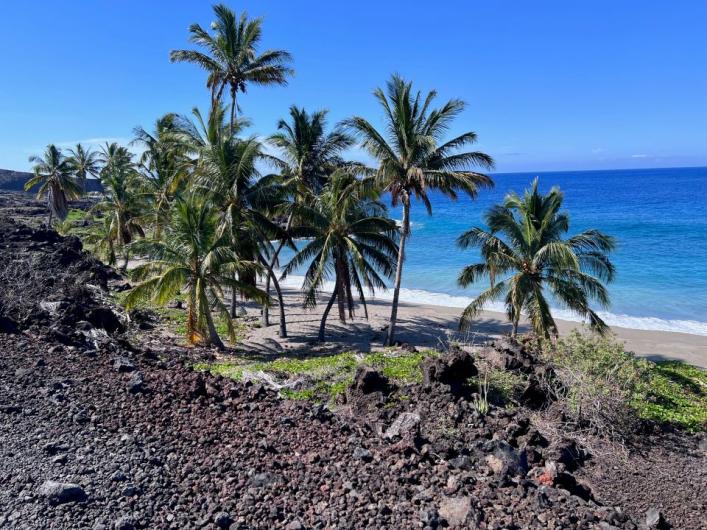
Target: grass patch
{"type": "Point", "coordinates": [400, 368]}
{"type": "Point", "coordinates": [328, 376]}
{"type": "Point", "coordinates": [676, 393]}
{"type": "Point", "coordinates": [77, 215]}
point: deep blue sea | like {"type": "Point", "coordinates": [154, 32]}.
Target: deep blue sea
{"type": "Point", "coordinates": [658, 216]}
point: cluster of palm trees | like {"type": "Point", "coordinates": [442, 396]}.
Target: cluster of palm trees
{"type": "Point", "coordinates": [208, 209]}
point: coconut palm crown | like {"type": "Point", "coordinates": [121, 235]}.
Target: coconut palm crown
{"type": "Point", "coordinates": [193, 257]}
{"type": "Point", "coordinates": [231, 57]}
{"type": "Point", "coordinates": [84, 163]}
{"type": "Point", "coordinates": [525, 257]}
{"type": "Point", "coordinates": [413, 157]}
{"type": "Point", "coordinates": [54, 174]}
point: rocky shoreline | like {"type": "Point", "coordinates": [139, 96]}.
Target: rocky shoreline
{"type": "Point", "coordinates": [102, 431]}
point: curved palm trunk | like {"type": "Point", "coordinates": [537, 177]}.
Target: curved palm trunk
{"type": "Point", "coordinates": [213, 334]}
{"type": "Point", "coordinates": [213, 338]}
{"type": "Point", "coordinates": [322, 326]}
{"type": "Point", "coordinates": [349, 294]}
{"type": "Point", "coordinates": [50, 208]}
{"type": "Point", "coordinates": [126, 259]}
{"type": "Point", "coordinates": [399, 273]}
{"type": "Point", "coordinates": [280, 300]}
{"type": "Point", "coordinates": [273, 261]}
{"type": "Point", "coordinates": [340, 291]}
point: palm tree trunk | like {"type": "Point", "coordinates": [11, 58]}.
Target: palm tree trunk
{"type": "Point", "coordinates": [233, 110]}
{"type": "Point", "coordinates": [214, 339]}
{"type": "Point", "coordinates": [273, 261]}
{"type": "Point", "coordinates": [325, 315]}
{"type": "Point", "coordinates": [349, 294]}
{"type": "Point", "coordinates": [49, 207]}
{"type": "Point", "coordinates": [341, 292]}
{"type": "Point", "coordinates": [398, 273]}
{"type": "Point", "coordinates": [281, 302]}
{"type": "Point", "coordinates": [271, 274]}
{"type": "Point", "coordinates": [234, 303]}
{"type": "Point", "coordinates": [126, 259]}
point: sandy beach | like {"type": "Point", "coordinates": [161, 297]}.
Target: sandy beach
{"type": "Point", "coordinates": [433, 326]}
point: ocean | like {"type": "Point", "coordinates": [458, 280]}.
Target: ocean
{"type": "Point", "coordinates": [658, 216]}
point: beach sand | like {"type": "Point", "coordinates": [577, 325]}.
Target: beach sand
{"type": "Point", "coordinates": [431, 326]}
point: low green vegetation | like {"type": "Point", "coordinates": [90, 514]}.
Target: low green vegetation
{"type": "Point", "coordinates": [605, 383]}
{"type": "Point", "coordinates": [676, 393]}
{"type": "Point", "coordinates": [323, 378]}
{"type": "Point", "coordinates": [500, 387]}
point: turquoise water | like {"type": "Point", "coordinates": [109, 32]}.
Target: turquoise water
{"type": "Point", "coordinates": [658, 216]}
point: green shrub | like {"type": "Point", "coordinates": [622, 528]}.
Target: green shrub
{"type": "Point", "coordinates": [602, 385]}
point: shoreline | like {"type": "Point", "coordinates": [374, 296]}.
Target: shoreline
{"type": "Point", "coordinates": [454, 301]}
{"type": "Point", "coordinates": [428, 325]}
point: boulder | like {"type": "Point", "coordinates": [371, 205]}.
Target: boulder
{"type": "Point", "coordinates": [136, 383]}
{"type": "Point", "coordinates": [565, 452]}
{"type": "Point", "coordinates": [8, 325]}
{"type": "Point", "coordinates": [123, 364]}
{"type": "Point", "coordinates": [104, 318]}
{"type": "Point", "coordinates": [505, 460]}
{"type": "Point", "coordinates": [361, 453]}
{"type": "Point", "coordinates": [124, 523]}
{"type": "Point", "coordinates": [454, 369]}
{"type": "Point", "coordinates": [533, 395]}
{"type": "Point", "coordinates": [456, 511]}
{"type": "Point", "coordinates": [61, 492]}
{"type": "Point", "coordinates": [655, 520]}
{"type": "Point", "coordinates": [405, 424]}
{"type": "Point", "coordinates": [223, 519]}
{"type": "Point", "coordinates": [367, 381]}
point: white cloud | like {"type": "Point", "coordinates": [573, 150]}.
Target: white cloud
{"type": "Point", "coordinates": [639, 156]}
{"type": "Point", "coordinates": [598, 150]}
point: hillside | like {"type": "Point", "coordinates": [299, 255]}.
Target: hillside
{"type": "Point", "coordinates": [15, 181]}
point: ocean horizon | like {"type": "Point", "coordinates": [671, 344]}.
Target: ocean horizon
{"type": "Point", "coordinates": [658, 217]}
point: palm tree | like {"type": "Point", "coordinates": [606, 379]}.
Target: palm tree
{"type": "Point", "coordinates": [231, 58]}
{"type": "Point", "coordinates": [84, 162]}
{"type": "Point", "coordinates": [102, 238]}
{"type": "Point", "coordinates": [164, 165]}
{"type": "Point", "coordinates": [413, 158]}
{"type": "Point", "coordinates": [194, 258]}
{"type": "Point", "coordinates": [54, 173]}
{"type": "Point", "coordinates": [308, 155]}
{"type": "Point", "coordinates": [226, 170]}
{"type": "Point", "coordinates": [349, 238]}
{"type": "Point", "coordinates": [524, 246]}
{"type": "Point", "coordinates": [122, 203]}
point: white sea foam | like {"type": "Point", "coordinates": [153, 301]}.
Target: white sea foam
{"type": "Point", "coordinates": [418, 296]}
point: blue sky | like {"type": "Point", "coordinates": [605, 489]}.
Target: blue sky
{"type": "Point", "coordinates": [550, 85]}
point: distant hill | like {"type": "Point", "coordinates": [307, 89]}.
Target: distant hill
{"type": "Point", "coordinates": [15, 181]}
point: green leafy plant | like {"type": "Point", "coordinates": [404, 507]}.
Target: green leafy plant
{"type": "Point", "coordinates": [525, 249]}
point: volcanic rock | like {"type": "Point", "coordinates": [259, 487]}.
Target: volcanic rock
{"type": "Point", "coordinates": [368, 380]}
{"type": "Point", "coordinates": [61, 492]}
